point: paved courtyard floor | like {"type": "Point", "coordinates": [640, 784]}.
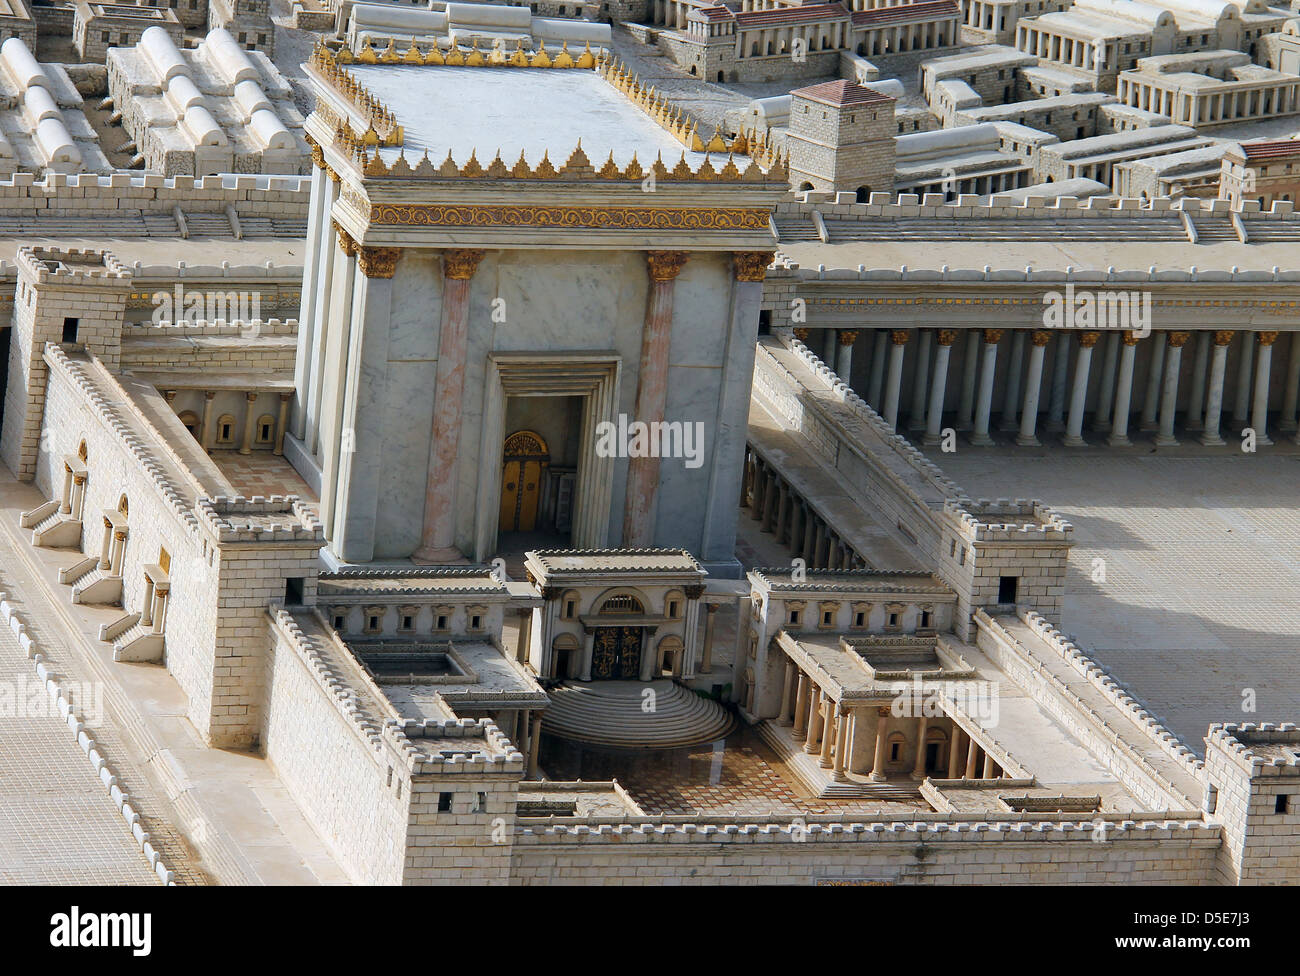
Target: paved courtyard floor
{"type": "Point", "coordinates": [739, 776]}
{"type": "Point", "coordinates": [1197, 610]}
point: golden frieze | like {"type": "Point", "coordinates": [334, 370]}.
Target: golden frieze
{"type": "Point", "coordinates": [600, 218]}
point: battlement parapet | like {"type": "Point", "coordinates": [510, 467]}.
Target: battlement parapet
{"type": "Point", "coordinates": [1006, 520]}
{"type": "Point", "coordinates": [969, 206]}
{"type": "Point", "coordinates": [260, 519]}
{"type": "Point", "coordinates": [1101, 680]}
{"type": "Point", "coordinates": [1259, 749]}
{"type": "Point", "coordinates": [440, 747]}
{"type": "Point", "coordinates": [656, 831]}
{"type": "Point", "coordinates": [72, 266]}
{"type": "Point", "coordinates": [59, 361]}
{"type": "Point", "coordinates": [845, 394]}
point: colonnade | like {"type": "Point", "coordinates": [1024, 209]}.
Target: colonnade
{"type": "Point", "coordinates": [1090, 384]}
{"type": "Point", "coordinates": [779, 509]}
{"type": "Point", "coordinates": [207, 426]}
{"type": "Point", "coordinates": [868, 739]}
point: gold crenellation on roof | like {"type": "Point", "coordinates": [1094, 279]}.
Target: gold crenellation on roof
{"type": "Point", "coordinates": [384, 131]}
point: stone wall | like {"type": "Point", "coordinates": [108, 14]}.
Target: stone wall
{"type": "Point", "coordinates": [333, 765]}
{"type": "Point", "coordinates": [1149, 852]}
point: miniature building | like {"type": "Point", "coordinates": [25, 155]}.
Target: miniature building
{"type": "Point", "coordinates": [841, 138]}
{"type": "Point", "coordinates": [247, 21]}
{"type": "Point", "coordinates": [99, 26]}
{"type": "Point", "coordinates": [217, 109]}
{"type": "Point", "coordinates": [16, 21]}
{"type": "Point", "coordinates": [43, 128]}
{"type": "Point", "coordinates": [1261, 171]}
{"type": "Point", "coordinates": [1209, 88]}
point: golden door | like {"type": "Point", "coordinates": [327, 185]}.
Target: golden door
{"type": "Point", "coordinates": [526, 458]}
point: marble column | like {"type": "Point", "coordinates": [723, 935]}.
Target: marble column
{"type": "Point", "coordinates": [1079, 392]}
{"type": "Point", "coordinates": [1196, 395]}
{"type": "Point", "coordinates": [282, 423]}
{"type": "Point", "coordinates": [1106, 385]}
{"type": "Point", "coordinates": [816, 721]}
{"type": "Point", "coordinates": [1011, 397]}
{"type": "Point", "coordinates": [359, 465]}
{"type": "Point", "coordinates": [1060, 381]}
{"type": "Point", "coordinates": [939, 386]}
{"type": "Point", "coordinates": [954, 753]}
{"type": "Point", "coordinates": [893, 384]}
{"type": "Point", "coordinates": [534, 743]}
{"type": "Point", "coordinates": [1169, 393]}
{"type": "Point", "coordinates": [969, 372]}
{"type": "Point", "coordinates": [920, 375]}
{"type": "Point", "coordinates": [984, 402]}
{"type": "Point", "coordinates": [250, 423]}
{"type": "Point", "coordinates": [882, 734]}
{"type": "Point", "coordinates": [800, 728]}
{"type": "Point", "coordinates": [325, 316]}
{"type": "Point", "coordinates": [876, 381]}
{"type": "Point", "coordinates": [1123, 391]}
{"type": "Point", "coordinates": [205, 426]}
{"type": "Point", "coordinates": [1033, 389]}
{"type": "Point", "coordinates": [918, 768]}
{"type": "Point", "coordinates": [844, 356]}
{"type": "Point", "coordinates": [1287, 422]}
{"type": "Point", "coordinates": [706, 663]}
{"type": "Point", "coordinates": [1214, 392]}
{"type": "Point", "coordinates": [317, 241]}
{"type": "Point", "coordinates": [438, 539]}
{"type": "Point", "coordinates": [1263, 366]}
{"type": "Point", "coordinates": [1155, 370]}
{"type": "Point", "coordinates": [1241, 403]}
{"type": "Point", "coordinates": [651, 394]}
{"type": "Point", "coordinates": [841, 743]}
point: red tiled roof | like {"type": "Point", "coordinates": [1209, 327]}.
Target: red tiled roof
{"type": "Point", "coordinates": [1272, 149]}
{"type": "Point", "coordinates": [907, 13]}
{"type": "Point", "coordinates": [714, 13]}
{"type": "Point", "coordinates": [793, 15]}
{"type": "Point", "coordinates": [841, 93]}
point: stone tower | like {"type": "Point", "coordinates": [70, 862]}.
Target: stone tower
{"type": "Point", "coordinates": [69, 296]}
{"type": "Point", "coordinates": [842, 139]}
{"type": "Point", "coordinates": [1252, 775]}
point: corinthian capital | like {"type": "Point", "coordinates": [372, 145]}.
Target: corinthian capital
{"type": "Point", "coordinates": [459, 264]}
{"type": "Point", "coordinates": [666, 265]}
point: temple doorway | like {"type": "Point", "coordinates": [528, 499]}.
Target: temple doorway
{"type": "Point", "coordinates": [539, 472]}
{"type": "Point", "coordinates": [616, 653]}
{"type": "Point", "coordinates": [617, 648]}
{"type": "Point", "coordinates": [526, 459]}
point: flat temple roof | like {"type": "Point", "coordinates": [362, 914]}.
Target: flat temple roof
{"type": "Point", "coordinates": [529, 110]}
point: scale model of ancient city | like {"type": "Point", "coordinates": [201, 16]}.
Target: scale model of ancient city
{"type": "Point", "coordinates": [649, 442]}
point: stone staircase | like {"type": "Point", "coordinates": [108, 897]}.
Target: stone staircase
{"type": "Point", "coordinates": [139, 644]}
{"type": "Point", "coordinates": [610, 713]}
{"type": "Point", "coordinates": [98, 587]}
{"type": "Point", "coordinates": [57, 531]}
{"type": "Point", "coordinates": [820, 782]}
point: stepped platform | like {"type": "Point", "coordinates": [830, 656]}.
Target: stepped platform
{"type": "Point", "coordinates": [820, 782]}
{"type": "Point", "coordinates": [613, 714]}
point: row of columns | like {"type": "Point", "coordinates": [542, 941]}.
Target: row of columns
{"type": "Point", "coordinates": [779, 509]}
{"type": "Point", "coordinates": [855, 738]}
{"type": "Point", "coordinates": [1067, 389]}
{"type": "Point", "coordinates": [207, 423]}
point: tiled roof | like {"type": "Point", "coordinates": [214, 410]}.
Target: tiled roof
{"type": "Point", "coordinates": [1271, 149]}
{"type": "Point", "coordinates": [715, 13]}
{"type": "Point", "coordinates": [907, 13]}
{"type": "Point", "coordinates": [841, 92]}
{"type": "Point", "coordinates": [788, 16]}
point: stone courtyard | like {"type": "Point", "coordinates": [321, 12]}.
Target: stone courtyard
{"type": "Point", "coordinates": [1202, 565]}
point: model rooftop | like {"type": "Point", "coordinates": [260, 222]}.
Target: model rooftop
{"type": "Point", "coordinates": [533, 111]}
